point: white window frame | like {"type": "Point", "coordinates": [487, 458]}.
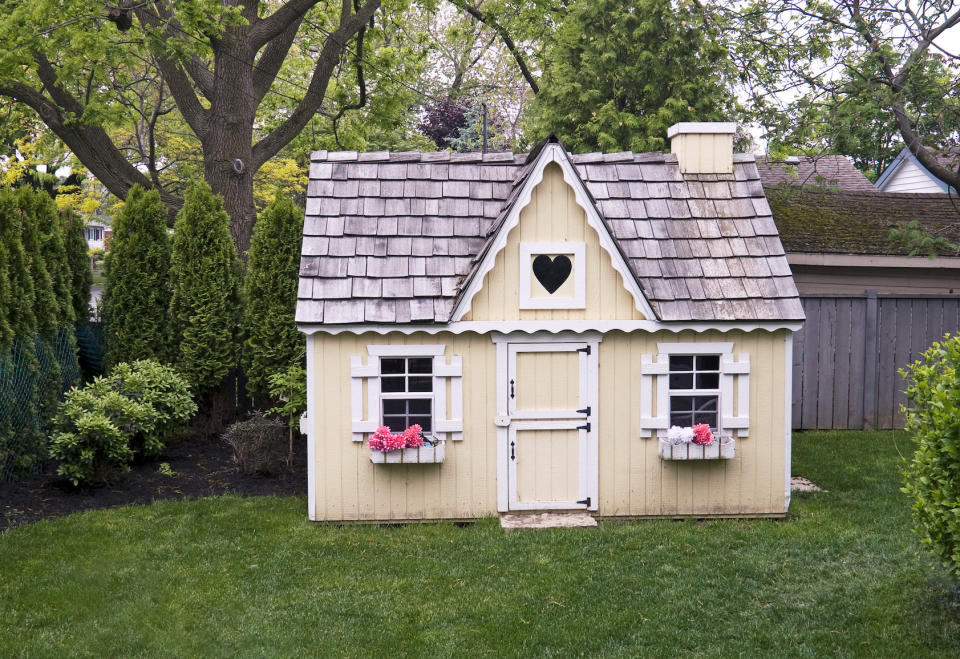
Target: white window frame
{"type": "Point", "coordinates": [406, 395]}
{"type": "Point", "coordinates": [655, 370]}
{"type": "Point", "coordinates": [447, 414]}
{"type": "Point", "coordinates": [694, 391]}
{"type": "Point", "coordinates": [577, 251]}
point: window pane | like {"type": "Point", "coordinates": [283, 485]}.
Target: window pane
{"type": "Point", "coordinates": [681, 403]}
{"type": "Point", "coordinates": [395, 423]}
{"type": "Point", "coordinates": [681, 363]}
{"type": "Point", "coordinates": [708, 363]}
{"type": "Point", "coordinates": [424, 422]}
{"type": "Point", "coordinates": [419, 405]}
{"type": "Point", "coordinates": [709, 418]}
{"type": "Point", "coordinates": [420, 364]}
{"type": "Point", "coordinates": [708, 380]}
{"type": "Point", "coordinates": [420, 383]}
{"type": "Point", "coordinates": [681, 419]}
{"type": "Point", "coordinates": [390, 365]}
{"type": "Point", "coordinates": [392, 384]}
{"type": "Point", "coordinates": [706, 403]}
{"type": "Point", "coordinates": [681, 380]}
{"type": "Point", "coordinates": [394, 406]}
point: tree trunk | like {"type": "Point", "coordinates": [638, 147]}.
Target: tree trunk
{"type": "Point", "coordinates": [228, 144]}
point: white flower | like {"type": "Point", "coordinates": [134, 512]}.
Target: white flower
{"type": "Point", "coordinates": [686, 435]}
{"type": "Point", "coordinates": [675, 434]}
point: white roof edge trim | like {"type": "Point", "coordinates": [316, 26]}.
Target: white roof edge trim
{"type": "Point", "coordinates": [701, 127]}
{"type": "Point", "coordinates": [554, 327]}
{"type": "Point", "coordinates": [551, 153]}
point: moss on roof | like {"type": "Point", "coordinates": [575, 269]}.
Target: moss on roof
{"type": "Point", "coordinates": [853, 223]}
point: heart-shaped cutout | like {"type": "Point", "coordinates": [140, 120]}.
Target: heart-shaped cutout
{"type": "Point", "coordinates": [551, 273]}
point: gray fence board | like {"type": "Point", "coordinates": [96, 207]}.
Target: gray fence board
{"type": "Point", "coordinates": [847, 356]}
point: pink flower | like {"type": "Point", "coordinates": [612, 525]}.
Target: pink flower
{"type": "Point", "coordinates": [411, 436]}
{"type": "Point", "coordinates": [702, 434]}
{"type": "Point", "coordinates": [375, 443]}
{"type": "Point", "coordinates": [393, 443]}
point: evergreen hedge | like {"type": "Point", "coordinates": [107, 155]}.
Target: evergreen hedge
{"type": "Point", "coordinates": [205, 307]}
{"type": "Point", "coordinates": [272, 342]}
{"type": "Point", "coordinates": [136, 298]}
{"type": "Point", "coordinates": [81, 278]}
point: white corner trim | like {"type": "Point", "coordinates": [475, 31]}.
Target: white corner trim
{"type": "Point", "coordinates": [551, 153]}
{"type": "Point", "coordinates": [552, 326]}
{"type": "Point", "coordinates": [312, 413]}
{"type": "Point", "coordinates": [788, 417]}
{"type": "Point", "coordinates": [701, 127]}
{"type": "Point", "coordinates": [579, 299]}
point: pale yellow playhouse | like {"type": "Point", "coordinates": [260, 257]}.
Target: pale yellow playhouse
{"type": "Point", "coordinates": [608, 333]}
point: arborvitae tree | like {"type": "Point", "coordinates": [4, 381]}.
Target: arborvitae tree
{"type": "Point", "coordinates": [33, 207]}
{"type": "Point", "coordinates": [21, 440]}
{"type": "Point", "coordinates": [205, 308]}
{"type": "Point", "coordinates": [136, 298]}
{"type": "Point", "coordinates": [80, 276]}
{"type": "Point", "coordinates": [272, 341]}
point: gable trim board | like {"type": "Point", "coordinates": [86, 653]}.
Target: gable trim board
{"type": "Point", "coordinates": [552, 152]}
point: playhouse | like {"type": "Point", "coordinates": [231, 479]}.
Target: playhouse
{"type": "Point", "coordinates": [600, 332]}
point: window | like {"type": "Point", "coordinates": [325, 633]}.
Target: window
{"type": "Point", "coordinates": [694, 390]}
{"type": "Point", "coordinates": [406, 392]}
{"type": "Point", "coordinates": [400, 385]}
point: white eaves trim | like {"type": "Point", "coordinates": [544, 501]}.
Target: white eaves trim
{"type": "Point", "coordinates": [553, 327]}
{"type": "Point", "coordinates": [871, 260]}
{"type": "Point", "coordinates": [702, 128]}
{"type": "Point", "coordinates": [551, 153]}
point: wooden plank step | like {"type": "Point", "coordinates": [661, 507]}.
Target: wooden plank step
{"type": "Point", "coordinates": [511, 521]}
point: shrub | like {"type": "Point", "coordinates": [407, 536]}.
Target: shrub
{"type": "Point", "coordinates": [80, 276]}
{"type": "Point", "coordinates": [259, 446]}
{"type": "Point", "coordinates": [102, 427]}
{"type": "Point", "coordinates": [933, 475]}
{"type": "Point", "coordinates": [136, 298]}
{"type": "Point", "coordinates": [204, 310]}
{"type": "Point", "coordinates": [272, 339]}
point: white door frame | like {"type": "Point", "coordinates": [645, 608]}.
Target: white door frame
{"type": "Point", "coordinates": [507, 424]}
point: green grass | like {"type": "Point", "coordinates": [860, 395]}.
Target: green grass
{"type": "Point", "coordinates": [252, 577]}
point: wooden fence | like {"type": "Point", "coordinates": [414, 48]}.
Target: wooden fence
{"type": "Point", "coordinates": [846, 357]}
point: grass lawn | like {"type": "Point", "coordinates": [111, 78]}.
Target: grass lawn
{"type": "Point", "coordinates": [231, 576]}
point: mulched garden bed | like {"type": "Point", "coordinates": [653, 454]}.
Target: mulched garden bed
{"type": "Point", "coordinates": [201, 468]}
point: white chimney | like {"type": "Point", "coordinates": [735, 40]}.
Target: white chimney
{"type": "Point", "coordinates": [703, 147]}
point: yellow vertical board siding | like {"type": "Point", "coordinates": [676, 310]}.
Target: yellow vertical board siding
{"type": "Point", "coordinates": [350, 487]}
{"type": "Point", "coordinates": [704, 153]}
{"type": "Point", "coordinates": [553, 216]}
{"type": "Point", "coordinates": [547, 381]}
{"type": "Point", "coordinates": [634, 480]}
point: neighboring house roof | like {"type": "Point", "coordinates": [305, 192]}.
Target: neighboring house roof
{"type": "Point", "coordinates": [855, 223]}
{"type": "Point", "coordinates": [828, 171]}
{"type": "Point", "coordinates": [395, 237]}
{"type": "Point", "coordinates": [906, 163]}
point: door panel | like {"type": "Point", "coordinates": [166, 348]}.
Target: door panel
{"type": "Point", "coordinates": [548, 465]}
{"type": "Point", "coordinates": [548, 381]}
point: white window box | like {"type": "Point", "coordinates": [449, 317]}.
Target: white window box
{"type": "Point", "coordinates": [419, 455]}
{"type": "Point", "coordinates": [722, 448]}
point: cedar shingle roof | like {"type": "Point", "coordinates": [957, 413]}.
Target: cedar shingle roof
{"type": "Point", "coordinates": [831, 172]}
{"type": "Point", "coordinates": [394, 237]}
{"type": "Point", "coordinates": [853, 223]}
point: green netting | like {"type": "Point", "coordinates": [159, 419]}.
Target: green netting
{"type": "Point", "coordinates": [34, 376]}
{"type": "Point", "coordinates": [90, 344]}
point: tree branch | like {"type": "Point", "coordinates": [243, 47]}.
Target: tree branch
{"type": "Point", "coordinates": [504, 36]}
{"type": "Point", "coordinates": [270, 61]}
{"type": "Point", "coordinates": [272, 26]}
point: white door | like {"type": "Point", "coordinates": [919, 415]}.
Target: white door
{"type": "Point", "coordinates": [552, 450]}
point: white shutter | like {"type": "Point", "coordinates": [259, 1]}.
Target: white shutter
{"type": "Point", "coordinates": [448, 415]}
{"type": "Point", "coordinates": [650, 368]}
{"type": "Point", "coordinates": [739, 420]}
{"type": "Point", "coordinates": [359, 372]}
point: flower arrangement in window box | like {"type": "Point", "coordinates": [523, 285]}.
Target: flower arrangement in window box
{"type": "Point", "coordinates": [407, 447]}
{"type": "Point", "coordinates": [695, 443]}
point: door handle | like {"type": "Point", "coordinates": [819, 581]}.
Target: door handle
{"type": "Point", "coordinates": [511, 388]}
{"type": "Point", "coordinates": [513, 456]}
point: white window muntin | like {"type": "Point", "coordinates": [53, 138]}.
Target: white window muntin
{"type": "Point", "coordinates": [701, 368]}
{"type": "Point", "coordinates": [408, 393]}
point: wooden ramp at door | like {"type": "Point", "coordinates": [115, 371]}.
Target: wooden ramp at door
{"type": "Point", "coordinates": [510, 522]}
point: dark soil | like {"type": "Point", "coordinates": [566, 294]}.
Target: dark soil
{"type": "Point", "coordinates": [202, 468]}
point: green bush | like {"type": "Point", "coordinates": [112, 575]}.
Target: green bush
{"type": "Point", "coordinates": [136, 298]}
{"type": "Point", "coordinates": [205, 308]}
{"type": "Point", "coordinates": [933, 475]}
{"type": "Point", "coordinates": [81, 277]}
{"type": "Point", "coordinates": [259, 446]}
{"type": "Point", "coordinates": [272, 339]}
{"type": "Point", "coordinates": [102, 427]}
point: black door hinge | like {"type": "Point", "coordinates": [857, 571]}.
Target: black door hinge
{"type": "Point", "coordinates": [584, 427]}
{"type": "Point", "coordinates": [585, 410]}
{"type": "Point", "coordinates": [586, 502]}
{"type": "Point", "coordinates": [513, 455]}
{"type": "Point", "coordinates": [586, 350]}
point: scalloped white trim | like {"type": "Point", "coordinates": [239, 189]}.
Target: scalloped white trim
{"type": "Point", "coordinates": [553, 327]}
